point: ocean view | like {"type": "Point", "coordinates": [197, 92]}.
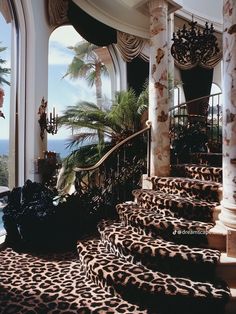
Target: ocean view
{"type": "Point", "coordinates": [59, 146]}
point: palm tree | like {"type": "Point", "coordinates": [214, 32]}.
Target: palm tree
{"type": "Point", "coordinates": [3, 71]}
{"type": "Point", "coordinates": [87, 119]}
{"type": "Point", "coordinates": [116, 123]}
{"type": "Point", "coordinates": [86, 64]}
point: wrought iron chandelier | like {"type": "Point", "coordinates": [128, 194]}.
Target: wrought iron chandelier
{"type": "Point", "coordinates": [193, 46]}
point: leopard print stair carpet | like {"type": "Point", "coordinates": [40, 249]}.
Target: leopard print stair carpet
{"type": "Point", "coordinates": [185, 207]}
{"type": "Point", "coordinates": [194, 171]}
{"type": "Point", "coordinates": [161, 222]}
{"type": "Point", "coordinates": [204, 173]}
{"type": "Point", "coordinates": [186, 187]}
{"type": "Point", "coordinates": [156, 291]}
{"type": "Point", "coordinates": [157, 254]}
{"type": "Point", "coordinates": [49, 284]}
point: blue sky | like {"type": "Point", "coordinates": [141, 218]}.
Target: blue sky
{"type": "Point", "coordinates": [61, 92]}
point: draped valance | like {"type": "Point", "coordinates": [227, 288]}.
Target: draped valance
{"type": "Point", "coordinates": [66, 11]}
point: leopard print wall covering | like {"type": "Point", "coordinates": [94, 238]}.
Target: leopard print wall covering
{"type": "Point", "coordinates": [157, 254]}
{"type": "Point", "coordinates": [154, 290]}
{"type": "Point", "coordinates": [53, 284]}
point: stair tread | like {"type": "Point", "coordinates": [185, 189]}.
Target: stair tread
{"type": "Point", "coordinates": [176, 197]}
{"type": "Point", "coordinates": [189, 180]}
{"type": "Point", "coordinates": [138, 242]}
{"type": "Point", "coordinates": [208, 190]}
{"type": "Point", "coordinates": [157, 253]}
{"type": "Point", "coordinates": [202, 166]}
{"type": "Point", "coordinates": [233, 292]}
{"type": "Point", "coordinates": [160, 222]}
{"type": "Point", "coordinates": [218, 229]}
{"type": "Point", "coordinates": [101, 263]}
{"type": "Point", "coordinates": [196, 171]}
{"type": "Point", "coordinates": [186, 207]}
{"type": "Point", "coordinates": [157, 217]}
{"type": "Point", "coordinates": [227, 260]}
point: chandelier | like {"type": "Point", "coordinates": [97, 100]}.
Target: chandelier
{"type": "Point", "coordinates": [194, 46]}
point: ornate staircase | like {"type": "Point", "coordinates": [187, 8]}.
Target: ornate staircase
{"type": "Point", "coordinates": [166, 252]}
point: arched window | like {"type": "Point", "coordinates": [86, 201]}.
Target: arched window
{"type": "Point", "coordinates": [67, 88]}
{"type": "Point", "coordinates": [7, 25]}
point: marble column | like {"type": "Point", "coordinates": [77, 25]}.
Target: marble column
{"type": "Point", "coordinates": [158, 88]}
{"type": "Point", "coordinates": [228, 204]}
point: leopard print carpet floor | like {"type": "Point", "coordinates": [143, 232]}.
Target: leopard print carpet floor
{"type": "Point", "coordinates": [52, 284]}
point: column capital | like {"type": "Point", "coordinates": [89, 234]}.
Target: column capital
{"type": "Point", "coordinates": [155, 4]}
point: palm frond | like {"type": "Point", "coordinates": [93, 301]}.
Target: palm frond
{"type": "Point", "coordinates": [76, 141]}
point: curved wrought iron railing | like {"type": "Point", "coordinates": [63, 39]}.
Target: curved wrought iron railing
{"type": "Point", "coordinates": [119, 171]}
{"type": "Point", "coordinates": [212, 121]}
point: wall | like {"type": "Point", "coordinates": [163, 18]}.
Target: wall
{"type": "Point", "coordinates": [32, 82]}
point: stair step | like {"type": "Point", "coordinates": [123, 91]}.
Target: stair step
{"type": "Point", "coordinates": [217, 237]}
{"type": "Point", "coordinates": [186, 187]}
{"type": "Point", "coordinates": [231, 305]}
{"type": "Point", "coordinates": [154, 290]}
{"type": "Point", "coordinates": [199, 172]}
{"type": "Point", "coordinates": [156, 222]}
{"type": "Point", "coordinates": [185, 207]}
{"type": "Point", "coordinates": [226, 268]}
{"type": "Point", "coordinates": [156, 253]}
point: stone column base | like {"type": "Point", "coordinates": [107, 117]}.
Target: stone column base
{"type": "Point", "coordinates": [228, 214]}
{"type": "Point", "coordinates": [228, 218]}
{"type": "Point", "coordinates": [146, 182]}
{"type": "Point", "coordinates": [231, 242]}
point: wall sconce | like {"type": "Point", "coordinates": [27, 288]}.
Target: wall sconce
{"type": "Point", "coordinates": [50, 125]}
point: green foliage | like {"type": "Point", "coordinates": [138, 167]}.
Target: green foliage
{"type": "Point", "coordinates": [124, 115]}
{"type": "Point", "coordinates": [88, 119]}
{"type": "Point", "coordinates": [143, 98]}
{"type": "Point", "coordinates": [190, 139]}
{"type": "Point", "coordinates": [4, 170]}
{"type": "Point", "coordinates": [3, 71]}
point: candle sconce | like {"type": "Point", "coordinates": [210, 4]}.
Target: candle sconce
{"type": "Point", "coordinates": [49, 124]}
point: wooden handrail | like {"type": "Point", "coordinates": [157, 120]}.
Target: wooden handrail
{"type": "Point", "coordinates": [98, 164]}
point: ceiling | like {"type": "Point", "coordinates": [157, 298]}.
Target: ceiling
{"type": "Point", "coordinates": [132, 16]}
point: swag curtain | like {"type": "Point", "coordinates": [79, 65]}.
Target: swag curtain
{"type": "Point", "coordinates": [67, 12]}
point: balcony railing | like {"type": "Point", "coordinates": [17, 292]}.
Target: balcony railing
{"type": "Point", "coordinates": [212, 121]}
